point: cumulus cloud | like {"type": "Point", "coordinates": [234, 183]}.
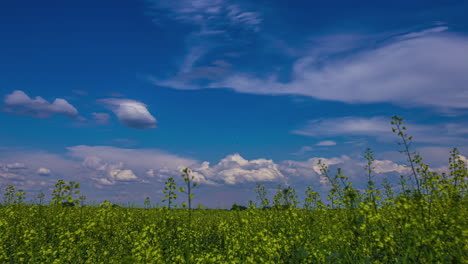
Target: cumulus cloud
{"type": "Point", "coordinates": [310, 167]}
{"type": "Point", "coordinates": [309, 172]}
{"type": "Point", "coordinates": [234, 169]}
{"type": "Point", "coordinates": [131, 113]}
{"type": "Point", "coordinates": [383, 166]}
{"type": "Point", "coordinates": [114, 164]}
{"type": "Point", "coordinates": [122, 175]}
{"type": "Point", "coordinates": [20, 102]}
{"type": "Point", "coordinates": [326, 143]}
{"type": "Point", "coordinates": [138, 172]}
{"type": "Point", "coordinates": [43, 171]}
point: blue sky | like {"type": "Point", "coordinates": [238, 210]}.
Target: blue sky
{"type": "Point", "coordinates": [120, 95]}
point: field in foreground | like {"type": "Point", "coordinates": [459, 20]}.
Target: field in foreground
{"type": "Point", "coordinates": [404, 233]}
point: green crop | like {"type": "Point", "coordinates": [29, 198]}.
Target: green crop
{"type": "Point", "coordinates": [423, 220]}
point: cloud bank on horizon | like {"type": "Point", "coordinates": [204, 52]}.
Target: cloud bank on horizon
{"type": "Point", "coordinates": [99, 168]}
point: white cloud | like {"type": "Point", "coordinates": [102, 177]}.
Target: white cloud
{"type": "Point", "coordinates": [122, 175]}
{"type": "Point", "coordinates": [43, 171]}
{"type": "Point", "coordinates": [20, 102]}
{"type": "Point", "coordinates": [326, 143]}
{"type": "Point", "coordinates": [132, 158]}
{"type": "Point", "coordinates": [424, 32]}
{"type": "Point", "coordinates": [383, 166]}
{"type": "Point", "coordinates": [151, 173]}
{"type": "Point", "coordinates": [310, 166]}
{"type": "Point", "coordinates": [11, 176]}
{"type": "Point", "coordinates": [309, 172]}
{"type": "Point", "coordinates": [381, 128]}
{"type": "Point", "coordinates": [131, 113]}
{"type": "Point", "coordinates": [194, 54]}
{"type": "Point", "coordinates": [113, 171]}
{"type": "Point", "coordinates": [108, 173]}
{"type": "Point", "coordinates": [16, 166]}
{"type": "Point", "coordinates": [110, 162]}
{"type": "Point", "coordinates": [215, 23]}
{"type": "Point", "coordinates": [94, 162]}
{"type": "Point", "coordinates": [427, 69]}
{"type": "Point", "coordinates": [237, 16]}
{"type": "Point", "coordinates": [234, 169]}
{"type": "Point", "coordinates": [359, 126]}
{"type": "Point", "coordinates": [432, 155]}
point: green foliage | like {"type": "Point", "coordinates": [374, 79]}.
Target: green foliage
{"type": "Point", "coordinates": [12, 196]}
{"type": "Point", "coordinates": [41, 196]}
{"type": "Point", "coordinates": [425, 221]}
{"type": "Point", "coordinates": [62, 194]}
{"type": "Point", "coordinates": [236, 207]}
{"type": "Point", "coordinates": [169, 192]}
{"type": "Point", "coordinates": [312, 200]}
{"type": "Point", "coordinates": [147, 203]}
{"type": "Point", "coordinates": [285, 198]}
{"type": "Point", "coordinates": [262, 195]}
{"type": "Point", "coordinates": [188, 179]}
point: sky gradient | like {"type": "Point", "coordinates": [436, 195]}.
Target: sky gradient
{"type": "Point", "coordinates": [120, 95]}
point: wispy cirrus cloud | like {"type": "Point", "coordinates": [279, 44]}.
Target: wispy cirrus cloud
{"type": "Point", "coordinates": [380, 128]}
{"type": "Point", "coordinates": [215, 23]}
{"type": "Point", "coordinates": [421, 71]}
{"type": "Point", "coordinates": [417, 69]}
{"type": "Point", "coordinates": [18, 102]}
{"type": "Point", "coordinates": [212, 16]}
{"type": "Point", "coordinates": [131, 113]}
